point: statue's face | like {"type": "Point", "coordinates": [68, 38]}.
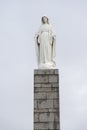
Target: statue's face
{"type": "Point", "coordinates": [44, 19]}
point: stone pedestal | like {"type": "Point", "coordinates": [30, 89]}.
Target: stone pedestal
{"type": "Point", "coordinates": [46, 100]}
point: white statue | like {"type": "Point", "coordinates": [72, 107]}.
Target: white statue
{"type": "Point", "coordinates": [45, 45]}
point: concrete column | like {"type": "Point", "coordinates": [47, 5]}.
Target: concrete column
{"type": "Point", "coordinates": [46, 100]}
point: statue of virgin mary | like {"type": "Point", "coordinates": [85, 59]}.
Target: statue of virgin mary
{"type": "Point", "coordinates": [45, 45]}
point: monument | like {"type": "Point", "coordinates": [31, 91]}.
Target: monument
{"type": "Point", "coordinates": [46, 80]}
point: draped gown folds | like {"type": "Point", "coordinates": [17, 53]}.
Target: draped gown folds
{"type": "Point", "coordinates": [45, 47]}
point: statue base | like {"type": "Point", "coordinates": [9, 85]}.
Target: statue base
{"type": "Point", "coordinates": [47, 66]}
{"type": "Point", "coordinates": [46, 100]}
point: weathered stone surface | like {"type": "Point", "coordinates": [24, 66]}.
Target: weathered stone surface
{"type": "Point", "coordinates": [56, 71]}
{"type": "Point", "coordinates": [36, 117]}
{"type": "Point", "coordinates": [53, 78]}
{"type": "Point", "coordinates": [56, 103]}
{"type": "Point", "coordinates": [40, 95]}
{"type": "Point", "coordinates": [55, 85]}
{"type": "Point", "coordinates": [45, 95]}
{"type": "Point", "coordinates": [47, 71]}
{"type": "Point", "coordinates": [47, 126]}
{"type": "Point", "coordinates": [46, 85]}
{"type": "Point", "coordinates": [37, 85]}
{"type": "Point", "coordinates": [41, 79]}
{"type": "Point", "coordinates": [52, 95]}
{"type": "Point", "coordinates": [54, 126]}
{"type": "Point", "coordinates": [56, 116]}
{"type": "Point", "coordinates": [35, 71]}
{"type": "Point", "coordinates": [35, 104]}
{"type": "Point", "coordinates": [55, 89]}
{"type": "Point", "coordinates": [46, 117]}
{"type": "Point", "coordinates": [46, 110]}
{"type": "Point", "coordinates": [40, 126]}
{"type": "Point", "coordinates": [46, 100]}
{"type": "Point", "coordinates": [45, 103]}
{"type": "Point", "coordinates": [46, 89]}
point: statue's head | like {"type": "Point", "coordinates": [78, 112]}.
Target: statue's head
{"type": "Point", "coordinates": [45, 19]}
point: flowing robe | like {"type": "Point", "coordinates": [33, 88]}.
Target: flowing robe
{"type": "Point", "coordinates": [45, 47]}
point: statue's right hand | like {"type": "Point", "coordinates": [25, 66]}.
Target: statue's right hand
{"type": "Point", "coordinates": [36, 36]}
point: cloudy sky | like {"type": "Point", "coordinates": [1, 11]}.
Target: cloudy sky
{"type": "Point", "coordinates": [19, 20]}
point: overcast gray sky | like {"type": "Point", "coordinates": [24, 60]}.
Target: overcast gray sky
{"type": "Point", "coordinates": [19, 20]}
